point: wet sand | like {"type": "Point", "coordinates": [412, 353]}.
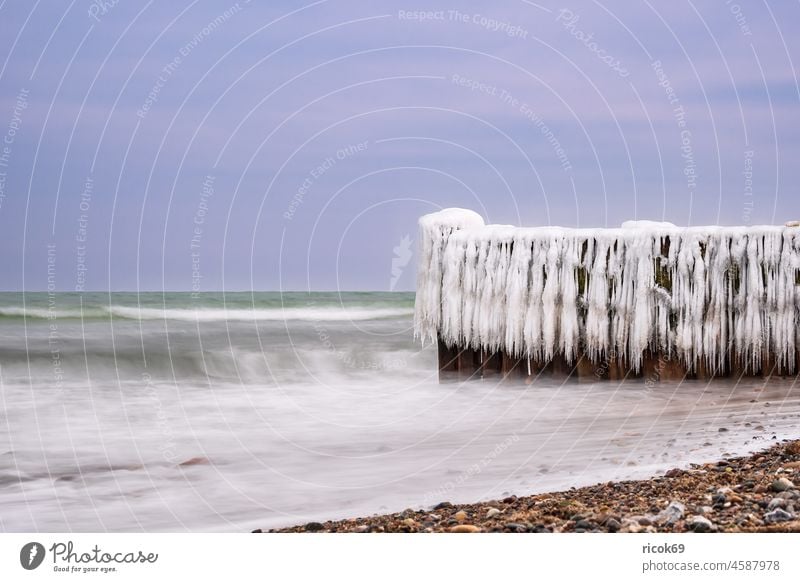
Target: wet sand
{"type": "Point", "coordinates": [751, 493]}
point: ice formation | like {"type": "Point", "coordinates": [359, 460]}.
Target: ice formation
{"type": "Point", "coordinates": [697, 293]}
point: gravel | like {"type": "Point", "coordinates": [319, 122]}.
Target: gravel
{"type": "Point", "coordinates": [742, 494]}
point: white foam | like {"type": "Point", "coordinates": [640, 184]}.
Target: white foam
{"type": "Point", "coordinates": [275, 314]}
{"type": "Point", "coordinates": [41, 312]}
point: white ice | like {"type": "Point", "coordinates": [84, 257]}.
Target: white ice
{"type": "Point", "coordinates": [537, 292]}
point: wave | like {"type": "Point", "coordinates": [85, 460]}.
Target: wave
{"type": "Point", "coordinates": [274, 314]}
{"type": "Point", "coordinates": [47, 313]}
{"type": "Point", "coordinates": [360, 313]}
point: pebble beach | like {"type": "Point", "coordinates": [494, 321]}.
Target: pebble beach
{"type": "Point", "coordinates": [753, 493]}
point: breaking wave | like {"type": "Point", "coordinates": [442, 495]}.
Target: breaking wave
{"type": "Point", "coordinates": [204, 314]}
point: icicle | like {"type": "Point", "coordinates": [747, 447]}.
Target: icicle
{"type": "Point", "coordinates": [435, 229]}
{"type": "Point", "coordinates": [715, 293]}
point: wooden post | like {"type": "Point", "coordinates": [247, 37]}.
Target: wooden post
{"type": "Point", "coordinates": [491, 365]}
{"type": "Point", "coordinates": [586, 369]}
{"type": "Point", "coordinates": [616, 369]}
{"type": "Point", "coordinates": [673, 370]}
{"type": "Point", "coordinates": [702, 370]}
{"type": "Point", "coordinates": [560, 368]}
{"type": "Point", "coordinates": [769, 365]}
{"type": "Point", "coordinates": [468, 364]}
{"type": "Point", "coordinates": [448, 361]}
{"type": "Point", "coordinates": [513, 367]}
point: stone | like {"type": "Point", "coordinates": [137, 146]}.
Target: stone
{"type": "Point", "coordinates": [362, 529]}
{"type": "Point", "coordinates": [195, 461]}
{"type": "Point", "coordinates": [442, 505]}
{"type": "Point", "coordinates": [314, 526]}
{"type": "Point", "coordinates": [493, 512]}
{"type": "Point", "coordinates": [778, 515]}
{"type": "Point", "coordinates": [460, 516]}
{"type": "Point", "coordinates": [465, 528]}
{"type": "Point", "coordinates": [782, 484]}
{"type": "Point", "coordinates": [672, 513]}
{"type": "Point", "coordinates": [700, 524]}
{"type": "Point", "coordinates": [583, 524]}
{"type": "Point", "coordinates": [410, 522]}
{"type": "Point", "coordinates": [612, 525]}
{"type": "Point", "coordinates": [775, 503]}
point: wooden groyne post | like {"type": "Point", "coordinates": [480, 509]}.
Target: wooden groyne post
{"type": "Point", "coordinates": [647, 300]}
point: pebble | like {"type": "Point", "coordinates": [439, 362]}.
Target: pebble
{"type": "Point", "coordinates": [362, 529]}
{"type": "Point", "coordinates": [775, 503]}
{"type": "Point", "coordinates": [460, 516]}
{"type": "Point", "coordinates": [700, 524]}
{"type": "Point", "coordinates": [612, 525]}
{"type": "Point", "coordinates": [673, 512]}
{"type": "Point", "coordinates": [492, 512]}
{"type": "Point", "coordinates": [410, 522]}
{"type": "Point", "coordinates": [465, 528]}
{"type": "Point", "coordinates": [314, 526]}
{"type": "Point", "coordinates": [442, 505]}
{"type": "Point", "coordinates": [782, 484]}
{"type": "Point", "coordinates": [778, 515]}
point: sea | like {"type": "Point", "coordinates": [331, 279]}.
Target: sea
{"type": "Point", "coordinates": [235, 411]}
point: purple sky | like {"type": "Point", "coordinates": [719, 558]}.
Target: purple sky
{"type": "Point", "coordinates": [293, 146]}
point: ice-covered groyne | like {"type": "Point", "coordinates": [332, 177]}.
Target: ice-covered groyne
{"type": "Point", "coordinates": [646, 298]}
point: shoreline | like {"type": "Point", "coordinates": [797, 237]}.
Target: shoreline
{"type": "Point", "coordinates": [759, 492]}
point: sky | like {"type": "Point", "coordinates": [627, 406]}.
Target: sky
{"type": "Point", "coordinates": [207, 146]}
